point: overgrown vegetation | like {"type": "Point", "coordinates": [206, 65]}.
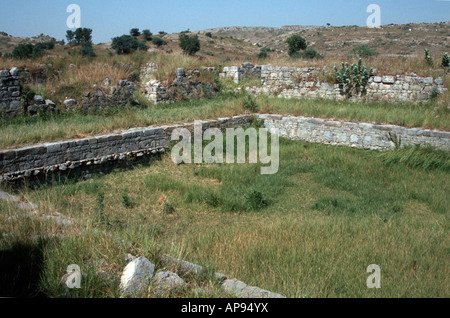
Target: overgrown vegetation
{"type": "Point", "coordinates": [24, 130]}
{"type": "Point", "coordinates": [334, 208]}
{"type": "Point", "coordinates": [33, 51]}
{"type": "Point", "coordinates": [363, 51]}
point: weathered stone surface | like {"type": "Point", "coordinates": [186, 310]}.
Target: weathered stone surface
{"type": "Point", "coordinates": [166, 283]}
{"type": "Point", "coordinates": [70, 104]}
{"type": "Point", "coordinates": [242, 290]}
{"type": "Point", "coordinates": [182, 267]}
{"type": "Point", "coordinates": [136, 277]}
{"type": "Point", "coordinates": [288, 82]}
{"type": "Point", "coordinates": [38, 100]}
{"type": "Point", "coordinates": [355, 134]}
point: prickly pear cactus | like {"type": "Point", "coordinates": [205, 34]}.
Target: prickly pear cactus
{"type": "Point", "coordinates": [353, 78]}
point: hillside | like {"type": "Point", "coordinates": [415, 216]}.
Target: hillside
{"type": "Point", "coordinates": [390, 40]}
{"type": "Point", "coordinates": [244, 43]}
{"type": "Point", "coordinates": [8, 42]}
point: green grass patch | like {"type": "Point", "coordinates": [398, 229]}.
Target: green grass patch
{"type": "Point", "coordinates": [310, 230]}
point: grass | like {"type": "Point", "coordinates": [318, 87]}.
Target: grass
{"type": "Point", "coordinates": [26, 130]}
{"type": "Point", "coordinates": [327, 215]}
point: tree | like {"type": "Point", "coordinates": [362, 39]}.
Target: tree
{"type": "Point", "coordinates": [135, 32]}
{"type": "Point", "coordinates": [189, 44]}
{"type": "Point", "coordinates": [70, 36]}
{"type": "Point", "coordinates": [296, 43]}
{"type": "Point", "coordinates": [147, 35]}
{"type": "Point", "coordinates": [80, 36]}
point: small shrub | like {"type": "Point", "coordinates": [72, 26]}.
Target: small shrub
{"type": "Point", "coordinates": [428, 58]}
{"type": "Point", "coordinates": [142, 46]}
{"type": "Point", "coordinates": [249, 103]}
{"type": "Point", "coordinates": [147, 35]}
{"type": "Point", "coordinates": [168, 208]}
{"type": "Point", "coordinates": [264, 53]}
{"type": "Point", "coordinates": [363, 51]}
{"type": "Point", "coordinates": [445, 60]}
{"type": "Point", "coordinates": [395, 139]}
{"type": "Point", "coordinates": [254, 201]}
{"type": "Point", "coordinates": [434, 93]}
{"type": "Point", "coordinates": [311, 54]}
{"type": "Point", "coordinates": [126, 201]}
{"type": "Point", "coordinates": [213, 200]}
{"type": "Point", "coordinates": [158, 42]}
{"type": "Point", "coordinates": [208, 34]}
{"type": "Point", "coordinates": [28, 94]}
{"type": "Point", "coordinates": [87, 50]}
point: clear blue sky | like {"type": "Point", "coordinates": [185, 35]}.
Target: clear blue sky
{"type": "Point", "coordinates": [113, 18]}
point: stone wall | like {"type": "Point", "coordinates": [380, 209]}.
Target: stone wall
{"type": "Point", "coordinates": [11, 104]}
{"type": "Point", "coordinates": [303, 82]}
{"type": "Point", "coordinates": [353, 134]}
{"type": "Point", "coordinates": [184, 87]}
{"type": "Point", "coordinates": [108, 96]}
{"type": "Point", "coordinates": [85, 155]}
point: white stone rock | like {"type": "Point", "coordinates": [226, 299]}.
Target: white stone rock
{"type": "Point", "coordinates": [136, 277]}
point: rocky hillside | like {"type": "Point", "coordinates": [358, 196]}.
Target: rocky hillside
{"type": "Point", "coordinates": [393, 40]}
{"type": "Point", "coordinates": [8, 42]}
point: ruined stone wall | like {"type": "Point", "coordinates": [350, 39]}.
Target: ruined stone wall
{"type": "Point", "coordinates": [291, 82]}
{"type": "Point", "coordinates": [184, 87]}
{"type": "Point", "coordinates": [86, 154]}
{"type": "Point", "coordinates": [11, 104]}
{"type": "Point", "coordinates": [354, 134]}
{"type": "Point", "coordinates": [102, 96]}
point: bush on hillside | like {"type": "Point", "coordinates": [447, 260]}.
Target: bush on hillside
{"type": "Point", "coordinates": [189, 44]}
{"type": "Point", "coordinates": [296, 43]}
